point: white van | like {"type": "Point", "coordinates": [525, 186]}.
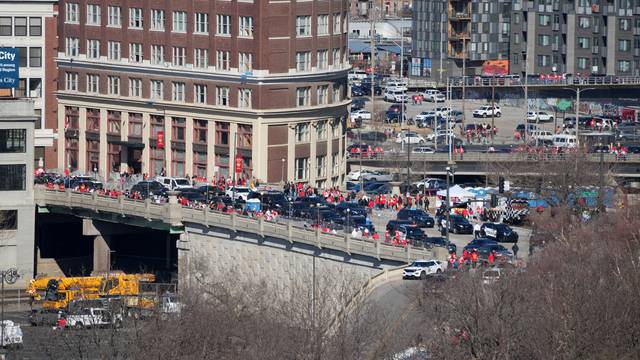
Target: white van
{"type": "Point", "coordinates": [174, 183]}
{"type": "Point", "coordinates": [393, 95]}
{"type": "Point", "coordinates": [396, 85]}
{"type": "Point", "coordinates": [542, 135]}
{"type": "Point", "coordinates": [564, 141]}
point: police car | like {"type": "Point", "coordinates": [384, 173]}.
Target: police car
{"type": "Point", "coordinates": [419, 269]}
{"type": "Point", "coordinates": [498, 232]}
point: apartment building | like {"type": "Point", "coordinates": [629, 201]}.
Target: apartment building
{"type": "Point", "coordinates": [17, 208]}
{"type": "Point", "coordinates": [31, 26]}
{"type": "Point", "coordinates": [192, 87]}
{"type": "Point", "coordinates": [582, 36]}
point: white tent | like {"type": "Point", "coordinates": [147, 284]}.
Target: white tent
{"type": "Point", "coordinates": [457, 192]}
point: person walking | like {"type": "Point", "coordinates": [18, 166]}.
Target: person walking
{"type": "Point", "coordinates": [515, 249]}
{"type": "Point", "coordinates": [491, 258]}
{"type": "Point", "coordinates": [474, 258]}
{"type": "Point", "coordinates": [476, 230]}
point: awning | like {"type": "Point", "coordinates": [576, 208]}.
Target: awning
{"type": "Point", "coordinates": [129, 144]}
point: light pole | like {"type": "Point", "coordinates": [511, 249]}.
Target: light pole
{"type": "Point", "coordinates": [282, 172]}
{"type": "Point", "coordinates": [578, 90]}
{"type": "Point", "coordinates": [348, 214]}
{"type": "Point", "coordinates": [448, 209]}
{"type": "Point", "coordinates": [10, 276]}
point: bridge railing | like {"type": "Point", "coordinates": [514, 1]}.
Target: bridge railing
{"type": "Point", "coordinates": [497, 157]}
{"type": "Point", "coordinates": [170, 213]}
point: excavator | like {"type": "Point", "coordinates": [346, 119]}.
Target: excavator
{"type": "Point", "coordinates": [60, 292]}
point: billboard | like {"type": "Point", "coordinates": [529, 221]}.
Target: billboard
{"type": "Point", "coordinates": [420, 67]}
{"type": "Point", "coordinates": [9, 68]}
{"type": "Point", "coordinates": [495, 67]}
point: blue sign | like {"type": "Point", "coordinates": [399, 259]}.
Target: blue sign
{"type": "Point", "coordinates": [9, 68]}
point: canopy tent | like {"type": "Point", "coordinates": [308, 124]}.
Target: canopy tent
{"type": "Point", "coordinates": [457, 192]}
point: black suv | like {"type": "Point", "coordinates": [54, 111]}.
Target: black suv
{"type": "Point", "coordinates": [393, 225]}
{"type": "Point", "coordinates": [442, 242]}
{"type": "Point", "coordinates": [417, 217]}
{"type": "Point", "coordinates": [499, 232]}
{"type": "Point", "coordinates": [460, 225]}
{"type": "Point", "coordinates": [413, 234]}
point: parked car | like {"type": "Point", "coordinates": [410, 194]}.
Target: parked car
{"type": "Point", "coordinates": [456, 116]}
{"type": "Point", "coordinates": [410, 138]}
{"type": "Point", "coordinates": [372, 136]}
{"type": "Point", "coordinates": [420, 269]}
{"type": "Point", "coordinates": [491, 276]}
{"type": "Point", "coordinates": [502, 254]}
{"type": "Point", "coordinates": [432, 183]}
{"type": "Point", "coordinates": [487, 111]}
{"type": "Point", "coordinates": [371, 175]}
{"type": "Point", "coordinates": [423, 150]}
{"type": "Point", "coordinates": [360, 115]}
{"type": "Point", "coordinates": [397, 96]}
{"type": "Point", "coordinates": [459, 225]}
{"type": "Point", "coordinates": [393, 225]}
{"type": "Point", "coordinates": [417, 217]}
{"type": "Point", "coordinates": [172, 183]}
{"type": "Point", "coordinates": [499, 232]}
{"type": "Point", "coordinates": [441, 242]}
{"type": "Point", "coordinates": [94, 317]}
{"type": "Point", "coordinates": [270, 200]}
{"type": "Point", "coordinates": [240, 192]}
{"type": "Point", "coordinates": [433, 95]}
{"type": "Point", "coordinates": [541, 135]}
{"type": "Point", "coordinates": [478, 243]}
{"type": "Point", "coordinates": [357, 91]}
{"type": "Point", "coordinates": [443, 111]}
{"type": "Point", "coordinates": [357, 104]}
{"type": "Point", "coordinates": [432, 136]}
{"type": "Point", "coordinates": [392, 117]}
{"type": "Point", "coordinates": [540, 116]}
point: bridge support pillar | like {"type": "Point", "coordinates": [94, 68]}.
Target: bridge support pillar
{"type": "Point", "coordinates": [101, 253]}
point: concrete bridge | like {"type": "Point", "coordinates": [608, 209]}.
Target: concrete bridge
{"type": "Point", "coordinates": [482, 164]}
{"type": "Point", "coordinates": [212, 244]}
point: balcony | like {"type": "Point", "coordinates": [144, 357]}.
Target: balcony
{"type": "Point", "coordinates": [555, 47]}
{"type": "Point", "coordinates": [555, 27]}
{"type": "Point", "coordinates": [455, 15]}
{"type": "Point", "coordinates": [461, 35]}
{"type": "Point", "coordinates": [457, 55]}
{"type": "Point", "coordinates": [595, 49]}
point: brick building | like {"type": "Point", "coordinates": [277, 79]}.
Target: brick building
{"type": "Point", "coordinates": [188, 86]}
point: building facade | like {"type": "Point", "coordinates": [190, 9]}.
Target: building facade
{"type": "Point", "coordinates": [17, 208]}
{"type": "Point", "coordinates": [390, 8]}
{"type": "Point", "coordinates": [192, 87]}
{"type": "Point", "coordinates": [31, 26]}
{"type": "Point", "coordinates": [582, 36]}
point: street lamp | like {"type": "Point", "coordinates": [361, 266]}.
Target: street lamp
{"type": "Point", "coordinates": [348, 214]}
{"type": "Point", "coordinates": [578, 90]}
{"type": "Point", "coordinates": [10, 276]}
{"type": "Point", "coordinates": [450, 172]}
{"type": "Point", "coordinates": [282, 173]}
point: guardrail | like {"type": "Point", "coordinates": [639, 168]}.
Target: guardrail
{"type": "Point", "coordinates": [174, 214]}
{"type": "Point", "coordinates": [568, 81]}
{"type": "Point", "coordinates": [495, 157]}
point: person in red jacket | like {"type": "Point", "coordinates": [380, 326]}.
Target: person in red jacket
{"type": "Point", "coordinates": [491, 258]}
{"type": "Point", "coordinates": [474, 258]}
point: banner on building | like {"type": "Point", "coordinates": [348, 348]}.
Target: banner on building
{"type": "Point", "coordinates": [495, 68]}
{"type": "Point", "coordinates": [420, 67]}
{"type": "Point", "coordinates": [9, 68]}
{"type": "Point", "coordinates": [160, 142]}
{"type": "Point", "coordinates": [239, 163]}
{"type": "Point", "coordinates": [426, 67]}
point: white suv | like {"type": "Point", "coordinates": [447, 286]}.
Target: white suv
{"type": "Point", "coordinates": [421, 268]}
{"type": "Point", "coordinates": [487, 110]}
{"type": "Point", "coordinates": [410, 138]}
{"type": "Point", "coordinates": [397, 96]}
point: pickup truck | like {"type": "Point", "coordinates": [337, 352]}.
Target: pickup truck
{"type": "Point", "coordinates": [90, 317]}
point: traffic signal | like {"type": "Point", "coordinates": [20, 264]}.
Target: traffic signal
{"type": "Point", "coordinates": [501, 185]}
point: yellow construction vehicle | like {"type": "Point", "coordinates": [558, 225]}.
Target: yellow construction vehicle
{"type": "Point", "coordinates": [59, 292]}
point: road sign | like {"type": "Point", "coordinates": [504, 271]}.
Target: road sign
{"type": "Point", "coordinates": [9, 68]}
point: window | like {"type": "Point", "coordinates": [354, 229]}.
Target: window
{"type": "Point", "coordinates": [20, 26]}
{"type": "Point", "coordinates": [222, 133]}
{"type": "Point", "coordinates": [13, 140]}
{"type": "Point", "coordinates": [157, 90]}
{"type": "Point", "coordinates": [224, 25]}
{"type": "Point", "coordinates": [157, 54]}
{"type": "Point", "coordinates": [93, 14]}
{"type": "Point", "coordinates": [135, 18]}
{"type": "Point", "coordinates": [93, 49]}
{"type": "Point", "coordinates": [93, 83]}
{"type": "Point", "coordinates": [516, 38]}
{"type": "Point", "coordinates": [9, 219]}
{"type": "Point", "coordinates": [322, 94]}
{"type": "Point", "coordinates": [544, 20]}
{"type": "Point", "coordinates": [303, 61]}
{"type": "Point", "coordinates": [200, 163]}
{"type": "Point", "coordinates": [157, 20]}
{"type": "Point", "coordinates": [625, 24]}
{"type": "Point", "coordinates": [157, 125]}
{"type": "Point", "coordinates": [114, 122]}
{"type": "Point", "coordinates": [179, 56]}
{"type": "Point", "coordinates": [114, 85]}
{"type": "Point", "coordinates": [624, 45]}
{"type": "Point", "coordinates": [302, 96]}
{"type": "Point", "coordinates": [135, 87]}
{"type": "Point", "coordinates": [93, 120]}
{"type": "Point", "coordinates": [321, 166]}
{"type": "Point", "coordinates": [584, 22]}
{"type": "Point", "coordinates": [114, 16]}
{"type": "Point", "coordinates": [583, 63]}
{"type": "Point", "coordinates": [24, 56]}
{"type": "Point", "coordinates": [180, 21]}
{"type": "Point", "coordinates": [202, 23]}
{"type": "Point", "coordinates": [178, 128]}
{"type": "Point", "coordinates": [321, 130]}
{"type": "Point", "coordinates": [201, 58]}
{"type": "Point", "coordinates": [323, 59]}
{"type": "Point", "coordinates": [135, 52]}
{"type": "Point", "coordinates": [624, 65]}
{"type": "Point", "coordinates": [71, 115]}
{"type": "Point", "coordinates": [323, 25]}
{"type": "Point", "coordinates": [177, 162]}
{"type": "Point", "coordinates": [35, 26]}
{"type": "Point", "coordinates": [245, 62]}
{"type": "Point", "coordinates": [222, 96]}
{"type": "Point", "coordinates": [245, 26]}
{"type": "Point", "coordinates": [200, 93]}
{"type": "Point", "coordinates": [336, 128]}
{"type": "Point", "coordinates": [335, 163]}
{"type": "Point", "coordinates": [336, 57]}
{"type": "Point", "coordinates": [302, 132]}
{"type": "Point", "coordinates": [244, 136]}
{"type": "Point", "coordinates": [6, 26]}
{"type": "Point", "coordinates": [244, 98]}
{"type": "Point", "coordinates": [113, 50]}
{"type": "Point", "coordinates": [303, 26]}
{"type": "Point", "coordinates": [135, 124]}
{"type": "Point", "coordinates": [544, 40]}
{"type": "Point", "coordinates": [35, 57]}
{"type": "Point", "coordinates": [337, 93]}
{"type": "Point", "coordinates": [71, 13]}
{"type": "Point", "coordinates": [13, 177]}
{"type": "Point", "coordinates": [71, 81]}
{"type": "Point", "coordinates": [583, 42]}
{"type": "Point", "coordinates": [302, 168]}
{"type": "Point", "coordinates": [223, 60]}
{"type": "Point", "coordinates": [177, 91]}
{"type": "Point", "coordinates": [337, 23]}
{"type": "Point", "coordinates": [200, 131]}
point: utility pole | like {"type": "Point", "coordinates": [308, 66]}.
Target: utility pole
{"type": "Point", "coordinates": [441, 45]}
{"type": "Point", "coordinates": [464, 79]}
{"type": "Point", "coordinates": [493, 107]}
{"type": "Point", "coordinates": [372, 20]}
{"type": "Point", "coordinates": [526, 97]}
